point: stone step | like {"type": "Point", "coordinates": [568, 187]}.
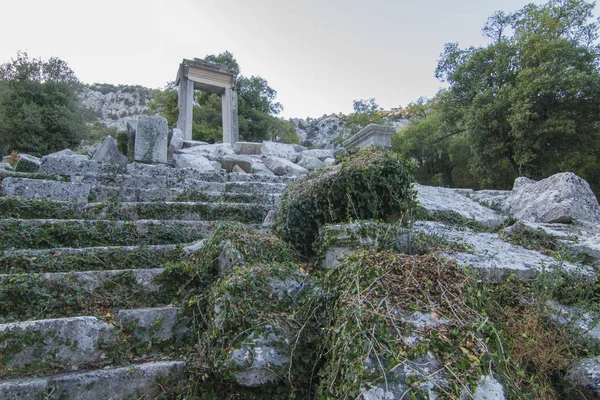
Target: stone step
{"type": "Point", "coordinates": [63, 343]}
{"type": "Point", "coordinates": [51, 233]}
{"type": "Point", "coordinates": [13, 207]}
{"type": "Point", "coordinates": [107, 384]}
{"type": "Point", "coordinates": [68, 259]}
{"type": "Point", "coordinates": [77, 167]}
{"type": "Point", "coordinates": [62, 294]}
{"type": "Point", "coordinates": [190, 189]}
{"type": "Point", "coordinates": [203, 192]}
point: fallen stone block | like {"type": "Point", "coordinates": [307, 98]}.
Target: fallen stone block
{"type": "Point", "coordinates": [282, 166]}
{"type": "Point", "coordinates": [109, 153]}
{"type": "Point", "coordinates": [279, 150]}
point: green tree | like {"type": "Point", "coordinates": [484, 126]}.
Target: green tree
{"type": "Point", "coordinates": [365, 112]}
{"type": "Point", "coordinates": [39, 107]}
{"type": "Point", "coordinates": [528, 102]}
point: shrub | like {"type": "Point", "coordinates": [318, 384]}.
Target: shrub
{"type": "Point", "coordinates": [368, 184]}
{"type": "Point", "coordinates": [123, 142]}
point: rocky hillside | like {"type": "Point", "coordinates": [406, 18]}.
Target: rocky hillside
{"type": "Point", "coordinates": [323, 131]}
{"type": "Point", "coordinates": [114, 105]}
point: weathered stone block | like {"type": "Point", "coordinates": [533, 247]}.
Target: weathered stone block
{"type": "Point", "coordinates": [194, 161]}
{"type": "Point", "coordinates": [65, 340]}
{"type": "Point", "coordinates": [247, 148]}
{"type": "Point", "coordinates": [372, 135]}
{"type": "Point", "coordinates": [151, 138]}
{"type": "Point", "coordinates": [280, 150]}
{"type": "Point", "coordinates": [155, 324]}
{"type": "Point", "coordinates": [245, 163]}
{"type": "Point", "coordinates": [109, 153]}
{"type": "Point", "coordinates": [42, 189]}
{"type": "Point", "coordinates": [281, 166]}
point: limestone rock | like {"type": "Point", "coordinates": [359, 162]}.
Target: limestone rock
{"type": "Point", "coordinates": [67, 340]}
{"type": "Point", "coordinates": [193, 161]}
{"type": "Point", "coordinates": [256, 357]}
{"type": "Point", "coordinates": [279, 150]}
{"type": "Point", "coordinates": [438, 200]}
{"type": "Point", "coordinates": [247, 148]}
{"type": "Point", "coordinates": [229, 257]}
{"type": "Point", "coordinates": [489, 388]}
{"type": "Point", "coordinates": [214, 152]}
{"type": "Point", "coordinates": [28, 163]}
{"type": "Point", "coordinates": [70, 153]}
{"type": "Point", "coordinates": [269, 219]}
{"type": "Point", "coordinates": [317, 153]}
{"type": "Point", "coordinates": [42, 189]}
{"type": "Point", "coordinates": [155, 324]}
{"type": "Point", "coordinates": [495, 199]}
{"type": "Point", "coordinates": [426, 368]}
{"type": "Point", "coordinates": [109, 153]}
{"type": "Point", "coordinates": [6, 166]}
{"type": "Point", "coordinates": [281, 166]}
{"type": "Point", "coordinates": [151, 138]}
{"type": "Point", "coordinates": [560, 198]}
{"type": "Point", "coordinates": [193, 143]}
{"type": "Point", "coordinates": [584, 379]}
{"type": "Point", "coordinates": [311, 163]}
{"type": "Point", "coordinates": [493, 257]}
{"type": "Point", "coordinates": [238, 170]}
{"type": "Point", "coordinates": [299, 148]}
{"type": "Point", "coordinates": [194, 247]}
{"type": "Point", "coordinates": [177, 139]}
{"type": "Point", "coordinates": [243, 162]}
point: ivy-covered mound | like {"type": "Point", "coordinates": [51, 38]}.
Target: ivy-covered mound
{"type": "Point", "coordinates": [249, 301]}
{"type": "Point", "coordinates": [370, 183]}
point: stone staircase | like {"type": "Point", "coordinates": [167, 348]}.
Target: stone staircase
{"type": "Point", "coordinates": [87, 310]}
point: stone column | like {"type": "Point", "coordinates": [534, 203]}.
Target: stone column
{"type": "Point", "coordinates": [230, 117]}
{"type": "Point", "coordinates": [186, 104]}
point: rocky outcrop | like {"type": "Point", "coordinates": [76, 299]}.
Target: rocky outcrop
{"type": "Point", "coordinates": [115, 106]}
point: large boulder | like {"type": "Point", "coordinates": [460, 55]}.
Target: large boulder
{"type": "Point", "coordinates": [28, 163]}
{"type": "Point", "coordinates": [279, 150]}
{"type": "Point", "coordinates": [282, 166]}
{"type": "Point", "coordinates": [151, 138]}
{"type": "Point", "coordinates": [560, 198]}
{"type": "Point", "coordinates": [109, 153]}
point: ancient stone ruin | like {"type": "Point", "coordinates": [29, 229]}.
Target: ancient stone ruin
{"type": "Point", "coordinates": [89, 297]}
{"type": "Point", "coordinates": [198, 74]}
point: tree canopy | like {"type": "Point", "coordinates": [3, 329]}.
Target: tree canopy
{"type": "Point", "coordinates": [39, 108]}
{"type": "Point", "coordinates": [524, 105]}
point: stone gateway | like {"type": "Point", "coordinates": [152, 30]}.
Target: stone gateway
{"type": "Point", "coordinates": [211, 77]}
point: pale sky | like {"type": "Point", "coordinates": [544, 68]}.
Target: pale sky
{"type": "Point", "coordinates": [319, 55]}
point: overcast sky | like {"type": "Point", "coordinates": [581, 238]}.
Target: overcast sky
{"type": "Point", "coordinates": [319, 55]}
